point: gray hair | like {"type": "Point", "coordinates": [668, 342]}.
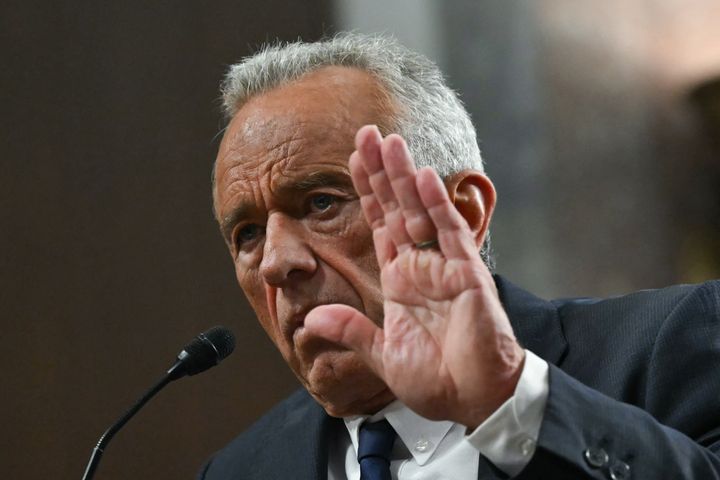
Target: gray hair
{"type": "Point", "coordinates": [426, 113]}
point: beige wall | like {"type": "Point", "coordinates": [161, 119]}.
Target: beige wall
{"type": "Point", "coordinates": [623, 131]}
{"type": "Point", "coordinates": [607, 179]}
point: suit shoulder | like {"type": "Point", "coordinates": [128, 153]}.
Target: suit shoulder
{"type": "Point", "coordinates": [261, 435]}
{"type": "Point", "coordinates": [654, 304]}
{"type": "Point", "coordinates": [272, 421]}
{"type": "Point", "coordinates": [627, 335]}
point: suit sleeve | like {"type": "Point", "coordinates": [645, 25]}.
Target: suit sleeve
{"type": "Point", "coordinates": [674, 432]}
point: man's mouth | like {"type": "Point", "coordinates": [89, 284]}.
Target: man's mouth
{"type": "Point", "coordinates": [294, 329]}
{"type": "Point", "coordinates": [307, 344]}
{"type": "Point", "coordinates": [296, 324]}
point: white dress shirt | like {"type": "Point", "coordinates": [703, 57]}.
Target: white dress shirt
{"type": "Point", "coordinates": [426, 449]}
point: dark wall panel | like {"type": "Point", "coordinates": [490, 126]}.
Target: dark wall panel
{"type": "Point", "coordinates": [109, 256]}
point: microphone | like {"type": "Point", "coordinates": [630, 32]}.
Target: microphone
{"type": "Point", "coordinates": [205, 351]}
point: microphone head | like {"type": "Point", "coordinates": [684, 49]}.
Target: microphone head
{"type": "Point", "coordinates": [206, 350]}
{"type": "Point", "coordinates": [223, 340]}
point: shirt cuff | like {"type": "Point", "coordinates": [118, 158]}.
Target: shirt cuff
{"type": "Point", "coordinates": [509, 436]}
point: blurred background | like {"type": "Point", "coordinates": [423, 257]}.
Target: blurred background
{"type": "Point", "coordinates": [599, 123]}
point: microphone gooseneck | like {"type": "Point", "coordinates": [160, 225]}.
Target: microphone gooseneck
{"type": "Point", "coordinates": [205, 351]}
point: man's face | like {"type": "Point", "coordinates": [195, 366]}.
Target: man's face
{"type": "Point", "coordinates": [294, 226]}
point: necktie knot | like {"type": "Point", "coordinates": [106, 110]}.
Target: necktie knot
{"type": "Point", "coordinates": [374, 447]}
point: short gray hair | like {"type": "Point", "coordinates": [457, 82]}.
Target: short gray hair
{"type": "Point", "coordinates": [427, 113]}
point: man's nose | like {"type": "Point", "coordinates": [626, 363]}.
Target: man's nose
{"type": "Point", "coordinates": [287, 257]}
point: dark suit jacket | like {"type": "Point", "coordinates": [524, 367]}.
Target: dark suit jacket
{"type": "Point", "coordinates": [635, 377]}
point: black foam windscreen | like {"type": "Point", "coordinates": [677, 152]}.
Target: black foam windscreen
{"type": "Point", "coordinates": [207, 350]}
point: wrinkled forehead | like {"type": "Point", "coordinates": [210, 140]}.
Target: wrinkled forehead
{"type": "Point", "coordinates": [313, 119]}
{"type": "Point", "coordinates": [273, 148]}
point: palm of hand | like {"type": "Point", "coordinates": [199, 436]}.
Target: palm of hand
{"type": "Point", "coordinates": [433, 330]}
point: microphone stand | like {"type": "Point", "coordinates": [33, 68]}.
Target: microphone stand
{"type": "Point", "coordinates": [173, 373]}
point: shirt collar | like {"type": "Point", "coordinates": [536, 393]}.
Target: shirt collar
{"type": "Point", "coordinates": [420, 435]}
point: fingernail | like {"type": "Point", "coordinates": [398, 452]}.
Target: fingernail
{"type": "Point", "coordinates": [398, 146]}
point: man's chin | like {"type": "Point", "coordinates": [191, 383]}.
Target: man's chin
{"type": "Point", "coordinates": [344, 385]}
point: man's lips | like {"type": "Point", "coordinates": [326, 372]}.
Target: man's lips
{"type": "Point", "coordinates": [296, 323]}
{"type": "Point", "coordinates": [293, 328]}
{"type": "Point", "coordinates": [308, 345]}
{"type": "Point", "coordinates": [296, 333]}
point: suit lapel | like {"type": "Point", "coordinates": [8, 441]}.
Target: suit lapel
{"type": "Point", "coordinates": [307, 432]}
{"type": "Point", "coordinates": [535, 321]}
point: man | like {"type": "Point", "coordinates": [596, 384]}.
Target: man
{"type": "Point", "coordinates": [364, 271]}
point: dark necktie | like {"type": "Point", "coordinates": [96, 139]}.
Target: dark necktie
{"type": "Point", "coordinates": [374, 446]}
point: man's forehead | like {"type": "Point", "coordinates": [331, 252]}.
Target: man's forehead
{"type": "Point", "coordinates": [293, 157]}
{"type": "Point", "coordinates": [272, 131]}
{"type": "Point", "coordinates": [255, 132]}
{"type": "Point", "coordinates": [287, 176]}
{"type": "Point", "coordinates": [333, 91]}
{"type": "Point", "coordinates": [284, 135]}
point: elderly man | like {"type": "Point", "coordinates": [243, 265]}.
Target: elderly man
{"type": "Point", "coordinates": [371, 277]}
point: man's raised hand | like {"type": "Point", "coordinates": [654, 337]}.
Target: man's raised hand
{"type": "Point", "coordinates": [446, 348]}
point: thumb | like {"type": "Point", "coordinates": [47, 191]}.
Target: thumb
{"type": "Point", "coordinates": [348, 327]}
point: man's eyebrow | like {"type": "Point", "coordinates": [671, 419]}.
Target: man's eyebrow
{"type": "Point", "coordinates": [320, 179]}
{"type": "Point", "coordinates": [307, 183]}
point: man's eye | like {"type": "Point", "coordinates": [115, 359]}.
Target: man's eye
{"type": "Point", "coordinates": [322, 202]}
{"type": "Point", "coordinates": [248, 233]}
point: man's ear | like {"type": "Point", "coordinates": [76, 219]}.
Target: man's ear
{"type": "Point", "coordinates": [473, 194]}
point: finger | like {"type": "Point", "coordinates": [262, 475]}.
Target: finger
{"type": "Point", "coordinates": [368, 143]}
{"type": "Point", "coordinates": [370, 206]}
{"type": "Point", "coordinates": [374, 215]}
{"type": "Point", "coordinates": [348, 327]}
{"type": "Point", "coordinates": [454, 235]}
{"type": "Point", "coordinates": [402, 175]}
